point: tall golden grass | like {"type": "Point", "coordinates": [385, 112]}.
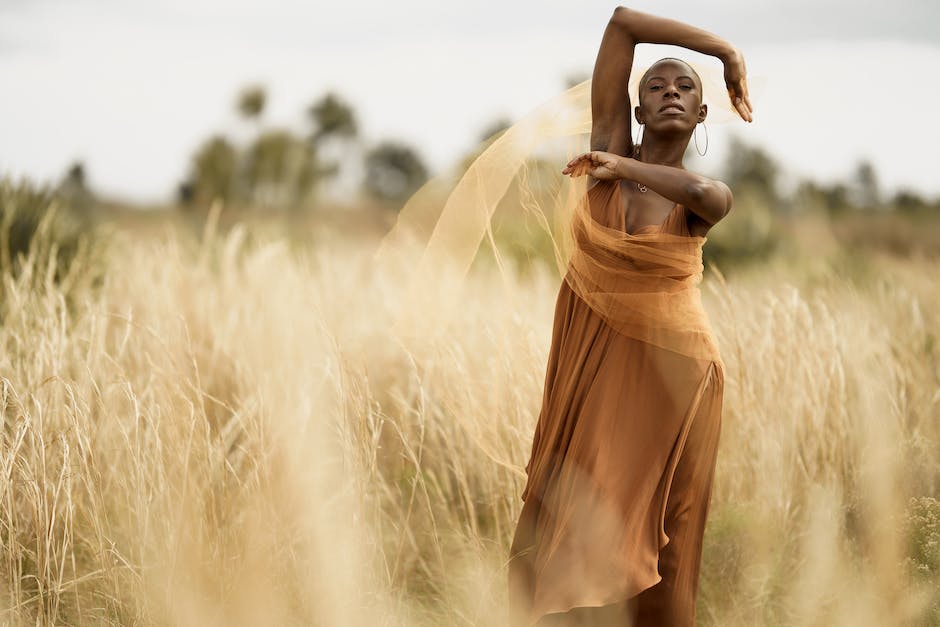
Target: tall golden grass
{"type": "Point", "coordinates": [223, 433]}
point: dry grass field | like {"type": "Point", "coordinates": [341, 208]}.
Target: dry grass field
{"type": "Point", "coordinates": [221, 431]}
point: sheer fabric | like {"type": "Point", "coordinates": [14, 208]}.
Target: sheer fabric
{"type": "Point", "coordinates": [644, 285]}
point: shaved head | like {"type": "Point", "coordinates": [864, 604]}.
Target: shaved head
{"type": "Point", "coordinates": [668, 60]}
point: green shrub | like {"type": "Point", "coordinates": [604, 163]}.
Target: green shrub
{"type": "Point", "coordinates": [44, 242]}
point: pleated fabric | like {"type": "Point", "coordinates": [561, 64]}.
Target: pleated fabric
{"type": "Point", "coordinates": [623, 454]}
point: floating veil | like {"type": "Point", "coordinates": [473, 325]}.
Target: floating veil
{"type": "Point", "coordinates": [644, 285]}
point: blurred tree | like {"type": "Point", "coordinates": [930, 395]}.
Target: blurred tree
{"type": "Point", "coordinates": [251, 102]}
{"type": "Point", "coordinates": [250, 105]}
{"type": "Point", "coordinates": [212, 173]}
{"type": "Point", "coordinates": [332, 117]}
{"type": "Point", "coordinates": [833, 199]}
{"type": "Point", "coordinates": [185, 193]}
{"type": "Point", "coordinates": [908, 201]}
{"type": "Point", "coordinates": [751, 167]}
{"type": "Point", "coordinates": [75, 175]}
{"type": "Point", "coordinates": [836, 197]}
{"type": "Point", "coordinates": [280, 169]}
{"type": "Point", "coordinates": [393, 172]}
{"type": "Point", "coordinates": [73, 188]}
{"type": "Point", "coordinates": [334, 124]}
{"type": "Point", "coordinates": [277, 169]}
{"type": "Point", "coordinates": [864, 192]}
{"type": "Point", "coordinates": [747, 233]}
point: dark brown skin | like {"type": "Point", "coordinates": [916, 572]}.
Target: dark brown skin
{"type": "Point", "coordinates": [666, 133]}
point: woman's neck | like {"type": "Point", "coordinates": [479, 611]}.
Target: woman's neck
{"type": "Point", "coordinates": [664, 151]}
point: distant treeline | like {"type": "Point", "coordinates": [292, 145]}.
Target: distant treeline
{"type": "Point", "coordinates": [283, 168]}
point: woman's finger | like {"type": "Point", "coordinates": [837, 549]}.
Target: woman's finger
{"type": "Point", "coordinates": [740, 100]}
{"type": "Point", "coordinates": [575, 165]}
{"type": "Point", "coordinates": [744, 95]}
{"type": "Point", "coordinates": [746, 99]}
{"type": "Point", "coordinates": [736, 103]}
{"type": "Point", "coordinates": [580, 157]}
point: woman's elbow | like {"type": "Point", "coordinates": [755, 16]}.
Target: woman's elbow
{"type": "Point", "coordinates": [712, 198]}
{"type": "Point", "coordinates": [620, 16]}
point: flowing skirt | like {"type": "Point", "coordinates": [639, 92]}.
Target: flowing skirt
{"type": "Point", "coordinates": [619, 477]}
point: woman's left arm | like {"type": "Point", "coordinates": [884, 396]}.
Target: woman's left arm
{"type": "Point", "coordinates": [709, 199]}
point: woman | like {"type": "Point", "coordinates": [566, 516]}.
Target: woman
{"type": "Point", "coordinates": [620, 475]}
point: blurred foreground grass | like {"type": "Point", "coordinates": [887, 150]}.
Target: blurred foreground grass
{"type": "Point", "coordinates": [223, 432]}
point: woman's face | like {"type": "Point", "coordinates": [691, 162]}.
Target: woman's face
{"type": "Point", "coordinates": [670, 98]}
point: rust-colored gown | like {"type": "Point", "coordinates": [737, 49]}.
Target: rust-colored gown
{"type": "Point", "coordinates": [623, 456]}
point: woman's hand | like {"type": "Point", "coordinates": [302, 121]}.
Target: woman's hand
{"type": "Point", "coordinates": [736, 82]}
{"type": "Point", "coordinates": [599, 164]}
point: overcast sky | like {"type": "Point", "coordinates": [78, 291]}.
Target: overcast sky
{"type": "Point", "coordinates": [132, 87]}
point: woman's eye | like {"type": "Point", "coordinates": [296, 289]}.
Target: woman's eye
{"type": "Point", "coordinates": [654, 87]}
{"type": "Point", "coordinates": [686, 87]}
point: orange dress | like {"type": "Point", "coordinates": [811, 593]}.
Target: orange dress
{"type": "Point", "coordinates": [620, 473]}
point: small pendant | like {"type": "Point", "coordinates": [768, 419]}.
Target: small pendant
{"type": "Point", "coordinates": [642, 188]}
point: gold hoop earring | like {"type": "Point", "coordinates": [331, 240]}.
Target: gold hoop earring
{"type": "Point", "coordinates": [701, 153]}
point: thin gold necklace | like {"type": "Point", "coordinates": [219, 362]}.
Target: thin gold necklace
{"type": "Point", "coordinates": [642, 188]}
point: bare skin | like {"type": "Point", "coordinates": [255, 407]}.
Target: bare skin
{"type": "Point", "coordinates": [667, 129]}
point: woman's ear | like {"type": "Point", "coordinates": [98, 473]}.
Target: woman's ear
{"type": "Point", "coordinates": [702, 112]}
{"type": "Point", "coordinates": [636, 114]}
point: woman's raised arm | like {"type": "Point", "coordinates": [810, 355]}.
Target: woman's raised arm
{"type": "Point", "coordinates": [649, 29]}
{"type": "Point", "coordinates": [610, 101]}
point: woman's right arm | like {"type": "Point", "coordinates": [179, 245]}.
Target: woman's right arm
{"type": "Point", "coordinates": [610, 102]}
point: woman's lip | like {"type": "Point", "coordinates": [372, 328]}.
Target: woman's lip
{"type": "Point", "coordinates": [672, 110]}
